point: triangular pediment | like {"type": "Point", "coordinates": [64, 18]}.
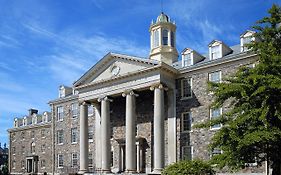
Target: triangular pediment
{"type": "Point", "coordinates": [114, 65]}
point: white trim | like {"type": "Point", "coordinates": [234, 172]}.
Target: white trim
{"type": "Point", "coordinates": [182, 88]}
{"type": "Point", "coordinates": [191, 123]}
{"type": "Point", "coordinates": [210, 117]}
{"type": "Point", "coordinates": [58, 157]}
{"type": "Point", "coordinates": [191, 151]}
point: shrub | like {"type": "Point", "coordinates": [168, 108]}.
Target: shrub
{"type": "Point", "coordinates": [194, 167]}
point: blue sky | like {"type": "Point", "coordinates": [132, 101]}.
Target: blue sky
{"type": "Point", "coordinates": [44, 44]}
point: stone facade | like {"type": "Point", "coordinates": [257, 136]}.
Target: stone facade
{"type": "Point", "coordinates": [154, 102]}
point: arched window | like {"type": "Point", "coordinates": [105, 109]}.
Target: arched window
{"type": "Point", "coordinates": [172, 39]}
{"type": "Point", "coordinates": [165, 37]}
{"type": "Point", "coordinates": [32, 148]}
{"type": "Point", "coordinates": [156, 38]}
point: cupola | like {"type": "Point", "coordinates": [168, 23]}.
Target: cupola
{"type": "Point", "coordinates": [163, 40]}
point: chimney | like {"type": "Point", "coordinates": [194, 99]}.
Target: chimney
{"type": "Point", "coordinates": [32, 111]}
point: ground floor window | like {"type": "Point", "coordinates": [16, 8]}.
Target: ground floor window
{"type": "Point", "coordinates": [187, 152]}
{"type": "Point", "coordinates": [74, 159]}
{"type": "Point", "coordinates": [90, 160]}
{"type": "Point", "coordinates": [60, 161]}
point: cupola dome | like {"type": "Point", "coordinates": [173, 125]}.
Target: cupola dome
{"type": "Point", "coordinates": [163, 18]}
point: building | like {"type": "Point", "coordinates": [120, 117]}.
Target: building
{"type": "Point", "coordinates": [4, 152]}
{"type": "Point", "coordinates": [132, 114]}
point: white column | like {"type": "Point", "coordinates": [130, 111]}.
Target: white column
{"type": "Point", "coordinates": [130, 131]}
{"type": "Point", "coordinates": [105, 134]}
{"type": "Point", "coordinates": [159, 130]}
{"type": "Point", "coordinates": [97, 135]}
{"type": "Point", "coordinates": [172, 128]}
{"type": "Point", "coordinates": [138, 157]}
{"type": "Point", "coordinates": [84, 143]}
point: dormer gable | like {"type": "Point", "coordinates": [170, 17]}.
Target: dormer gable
{"type": "Point", "coordinates": [246, 38]}
{"type": "Point", "coordinates": [64, 91]}
{"type": "Point", "coordinates": [217, 49]}
{"type": "Point", "coordinates": [190, 57]}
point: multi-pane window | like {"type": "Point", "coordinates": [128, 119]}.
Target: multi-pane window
{"type": "Point", "coordinates": [172, 39]}
{"type": "Point", "coordinates": [187, 152]}
{"type": "Point", "coordinates": [90, 156]}
{"type": "Point", "coordinates": [186, 87]}
{"type": "Point", "coordinates": [60, 161]}
{"type": "Point", "coordinates": [215, 77]}
{"type": "Point", "coordinates": [43, 163]}
{"type": "Point", "coordinates": [74, 135]}
{"type": "Point", "coordinates": [32, 149]}
{"type": "Point", "coordinates": [156, 38]}
{"type": "Point", "coordinates": [245, 41]}
{"type": "Point", "coordinates": [215, 113]}
{"type": "Point", "coordinates": [91, 134]}
{"type": "Point", "coordinates": [74, 159]}
{"type": "Point", "coordinates": [74, 110]}
{"type": "Point", "coordinates": [90, 110]}
{"type": "Point", "coordinates": [60, 114]}
{"type": "Point", "coordinates": [165, 37]}
{"type": "Point", "coordinates": [215, 52]}
{"type": "Point", "coordinates": [60, 137]}
{"type": "Point", "coordinates": [186, 121]}
{"type": "Point", "coordinates": [216, 151]}
{"type": "Point", "coordinates": [22, 164]}
{"type": "Point", "coordinates": [186, 59]}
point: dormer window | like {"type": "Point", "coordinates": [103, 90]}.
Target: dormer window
{"type": "Point", "coordinates": [246, 38]}
{"type": "Point", "coordinates": [186, 60]}
{"type": "Point", "coordinates": [215, 52]}
{"type": "Point", "coordinates": [165, 37]}
{"type": "Point", "coordinates": [190, 57]}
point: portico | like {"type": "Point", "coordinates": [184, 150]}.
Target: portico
{"type": "Point", "coordinates": [112, 78]}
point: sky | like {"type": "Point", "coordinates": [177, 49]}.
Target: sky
{"type": "Point", "coordinates": [44, 44]}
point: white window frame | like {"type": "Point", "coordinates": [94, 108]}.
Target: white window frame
{"type": "Point", "coordinates": [74, 159]}
{"type": "Point", "coordinates": [163, 32]}
{"type": "Point", "coordinates": [60, 161]}
{"type": "Point", "coordinates": [216, 52]}
{"type": "Point", "coordinates": [183, 152]}
{"type": "Point", "coordinates": [183, 96]}
{"type": "Point", "coordinates": [60, 113]}
{"type": "Point", "coordinates": [245, 40]}
{"type": "Point", "coordinates": [211, 110]}
{"type": "Point", "coordinates": [217, 152]}
{"type": "Point", "coordinates": [156, 38]}
{"type": "Point", "coordinates": [182, 121]}
{"type": "Point", "coordinates": [187, 59]}
{"type": "Point", "coordinates": [74, 110]}
{"type": "Point", "coordinates": [60, 137]}
{"type": "Point", "coordinates": [210, 76]}
{"type": "Point", "coordinates": [74, 135]}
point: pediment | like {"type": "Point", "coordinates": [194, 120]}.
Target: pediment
{"type": "Point", "coordinates": [112, 66]}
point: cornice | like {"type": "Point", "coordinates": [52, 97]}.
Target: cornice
{"type": "Point", "coordinates": [21, 128]}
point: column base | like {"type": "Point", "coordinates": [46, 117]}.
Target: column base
{"type": "Point", "coordinates": [131, 171]}
{"type": "Point", "coordinates": [156, 171]}
{"type": "Point", "coordinates": [105, 171]}
{"type": "Point", "coordinates": [82, 171]}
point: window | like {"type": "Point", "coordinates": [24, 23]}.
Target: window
{"type": "Point", "coordinates": [90, 160]}
{"type": "Point", "coordinates": [32, 149]}
{"type": "Point", "coordinates": [186, 59]}
{"type": "Point", "coordinates": [245, 41]}
{"type": "Point", "coordinates": [60, 136]}
{"type": "Point", "coordinates": [186, 91]}
{"type": "Point", "coordinates": [165, 37]}
{"type": "Point", "coordinates": [60, 113]}
{"type": "Point", "coordinates": [74, 110]}
{"type": "Point", "coordinates": [32, 134]}
{"type": "Point", "coordinates": [22, 149]}
{"type": "Point", "coordinates": [187, 152]}
{"type": "Point", "coordinates": [43, 163]}
{"type": "Point", "coordinates": [74, 159]}
{"type": "Point", "coordinates": [216, 151]}
{"type": "Point", "coordinates": [74, 135]}
{"type": "Point", "coordinates": [156, 38]}
{"type": "Point", "coordinates": [22, 164]}
{"type": "Point", "coordinates": [43, 132]}
{"type": "Point", "coordinates": [186, 121]}
{"type": "Point", "coordinates": [90, 110]}
{"type": "Point", "coordinates": [215, 113]}
{"type": "Point", "coordinates": [172, 39]}
{"type": "Point", "coordinates": [215, 52]}
{"type": "Point", "coordinates": [60, 161]}
{"type": "Point", "coordinates": [43, 148]}
{"type": "Point", "coordinates": [215, 77]}
{"type": "Point", "coordinates": [91, 133]}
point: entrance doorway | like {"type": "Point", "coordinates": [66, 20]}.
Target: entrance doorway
{"type": "Point", "coordinates": [32, 164]}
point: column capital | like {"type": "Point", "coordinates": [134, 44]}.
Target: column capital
{"type": "Point", "coordinates": [104, 98]}
{"type": "Point", "coordinates": [83, 102]}
{"type": "Point", "coordinates": [129, 92]}
{"type": "Point", "coordinates": [158, 86]}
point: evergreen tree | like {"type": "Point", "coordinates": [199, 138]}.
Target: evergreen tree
{"type": "Point", "coordinates": [252, 128]}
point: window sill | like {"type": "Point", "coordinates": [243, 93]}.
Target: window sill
{"type": "Point", "coordinates": [186, 132]}
{"type": "Point", "coordinates": [215, 129]}
{"type": "Point", "coordinates": [74, 143]}
{"type": "Point", "coordinates": [60, 144]}
{"type": "Point", "coordinates": [60, 167]}
{"type": "Point", "coordinates": [186, 98]}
